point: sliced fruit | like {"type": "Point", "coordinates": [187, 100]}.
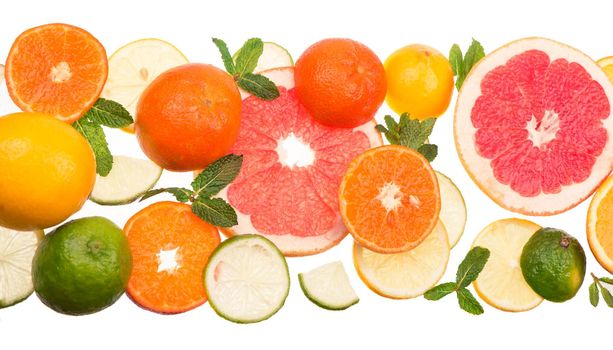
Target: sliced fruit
{"type": "Point", "coordinates": [600, 225]}
{"type": "Point", "coordinates": [127, 181]}
{"type": "Point", "coordinates": [607, 66]}
{"type": "Point", "coordinates": [533, 126]}
{"type": "Point", "coordinates": [389, 199]}
{"type": "Point", "coordinates": [287, 189]}
{"type": "Point", "coordinates": [501, 283]}
{"type": "Point", "coordinates": [56, 69]}
{"type": "Point", "coordinates": [273, 56]}
{"type": "Point", "coordinates": [246, 279]}
{"type": "Point", "coordinates": [17, 249]}
{"type": "Point", "coordinates": [453, 208]}
{"type": "Point", "coordinates": [404, 275]}
{"type": "Point", "coordinates": [1, 73]}
{"type": "Point", "coordinates": [171, 247]}
{"type": "Point", "coordinates": [328, 286]}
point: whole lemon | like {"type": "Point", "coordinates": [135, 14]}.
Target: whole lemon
{"type": "Point", "coordinates": [47, 171]}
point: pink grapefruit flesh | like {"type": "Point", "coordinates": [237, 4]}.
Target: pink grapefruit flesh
{"type": "Point", "coordinates": [533, 126]}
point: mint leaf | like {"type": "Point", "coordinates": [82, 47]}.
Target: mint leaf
{"type": "Point", "coordinates": [215, 211]}
{"type": "Point", "coordinates": [225, 56]}
{"type": "Point", "coordinates": [181, 194]}
{"type": "Point", "coordinates": [474, 53]}
{"type": "Point", "coordinates": [471, 266]}
{"type": "Point", "coordinates": [258, 85]}
{"type": "Point", "coordinates": [440, 291]}
{"type": "Point", "coordinates": [429, 151]}
{"type": "Point", "coordinates": [217, 175]}
{"type": "Point", "coordinates": [468, 302]}
{"type": "Point", "coordinates": [248, 55]}
{"type": "Point", "coordinates": [606, 296]}
{"type": "Point", "coordinates": [455, 59]}
{"type": "Point", "coordinates": [109, 113]}
{"type": "Point", "coordinates": [462, 66]}
{"type": "Point", "coordinates": [94, 134]}
{"type": "Point", "coordinates": [606, 280]}
{"type": "Point", "coordinates": [411, 133]}
{"type": "Point", "coordinates": [594, 296]}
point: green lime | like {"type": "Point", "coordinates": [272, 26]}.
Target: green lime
{"type": "Point", "coordinates": [553, 264]}
{"type": "Point", "coordinates": [82, 266]}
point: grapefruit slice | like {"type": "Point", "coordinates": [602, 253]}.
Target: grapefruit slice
{"type": "Point", "coordinates": [287, 189]}
{"type": "Point", "coordinates": [533, 126]}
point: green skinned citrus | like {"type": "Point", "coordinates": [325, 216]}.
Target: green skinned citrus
{"type": "Point", "coordinates": [553, 264]}
{"type": "Point", "coordinates": [82, 266]}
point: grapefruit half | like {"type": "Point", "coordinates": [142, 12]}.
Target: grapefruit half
{"type": "Point", "coordinates": [533, 126]}
{"type": "Point", "coordinates": [287, 189]}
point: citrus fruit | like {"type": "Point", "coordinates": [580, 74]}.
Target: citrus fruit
{"type": "Point", "coordinates": [171, 246]}
{"type": "Point", "coordinates": [246, 279]}
{"type": "Point", "coordinates": [188, 117]}
{"type": "Point", "coordinates": [408, 274]}
{"type": "Point", "coordinates": [82, 266]}
{"type": "Point", "coordinates": [600, 225]}
{"type": "Point", "coordinates": [273, 56]}
{"type": "Point", "coordinates": [501, 283]}
{"type": "Point", "coordinates": [287, 189]}
{"type": "Point", "coordinates": [533, 126]}
{"type": "Point", "coordinates": [453, 209]}
{"type": "Point", "coordinates": [328, 287]}
{"type": "Point", "coordinates": [341, 82]}
{"type": "Point", "coordinates": [17, 249]}
{"type": "Point", "coordinates": [42, 160]}
{"type": "Point", "coordinates": [56, 69]}
{"type": "Point", "coordinates": [389, 199]}
{"type": "Point", "coordinates": [128, 180]}
{"type": "Point", "coordinates": [607, 66]}
{"type": "Point", "coordinates": [133, 66]}
{"type": "Point", "coordinates": [419, 81]}
{"type": "Point", "coordinates": [553, 264]}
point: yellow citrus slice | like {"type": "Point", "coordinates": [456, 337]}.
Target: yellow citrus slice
{"type": "Point", "coordinates": [453, 208]}
{"type": "Point", "coordinates": [408, 274]}
{"type": "Point", "coordinates": [607, 66]}
{"type": "Point", "coordinates": [600, 225]}
{"type": "Point", "coordinates": [501, 283]}
{"type": "Point", "coordinates": [133, 66]}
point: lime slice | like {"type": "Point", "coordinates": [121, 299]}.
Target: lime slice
{"type": "Point", "coordinates": [328, 287]}
{"type": "Point", "coordinates": [273, 56]}
{"type": "Point", "coordinates": [453, 209]}
{"type": "Point", "coordinates": [17, 249]}
{"type": "Point", "coordinates": [246, 279]}
{"type": "Point", "coordinates": [129, 179]}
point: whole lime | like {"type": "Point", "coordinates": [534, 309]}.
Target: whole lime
{"type": "Point", "coordinates": [553, 264]}
{"type": "Point", "coordinates": [82, 266]}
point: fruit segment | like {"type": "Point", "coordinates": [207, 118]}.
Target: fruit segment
{"type": "Point", "coordinates": [328, 287]}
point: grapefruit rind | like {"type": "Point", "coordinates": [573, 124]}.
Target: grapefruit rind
{"type": "Point", "coordinates": [604, 258]}
{"type": "Point", "coordinates": [328, 287]}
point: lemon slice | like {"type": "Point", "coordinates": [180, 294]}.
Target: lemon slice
{"type": "Point", "coordinates": [328, 287]}
{"type": "Point", "coordinates": [408, 274]}
{"type": "Point", "coordinates": [501, 283]}
{"type": "Point", "coordinates": [607, 66]}
{"type": "Point", "coordinates": [453, 209]}
{"type": "Point", "coordinates": [1, 73]}
{"type": "Point", "coordinates": [600, 225]}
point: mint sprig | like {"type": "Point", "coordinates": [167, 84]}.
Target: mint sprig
{"type": "Point", "coordinates": [208, 183]}
{"type": "Point", "coordinates": [596, 289]}
{"type": "Point", "coordinates": [461, 65]}
{"type": "Point", "coordinates": [241, 67]}
{"type": "Point", "coordinates": [468, 271]}
{"type": "Point", "coordinates": [103, 113]}
{"type": "Point", "coordinates": [411, 133]}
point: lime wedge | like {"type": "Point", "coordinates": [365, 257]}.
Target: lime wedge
{"type": "Point", "coordinates": [328, 287]}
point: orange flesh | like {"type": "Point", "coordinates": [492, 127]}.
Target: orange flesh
{"type": "Point", "coordinates": [604, 224]}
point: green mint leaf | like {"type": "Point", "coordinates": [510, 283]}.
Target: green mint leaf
{"type": "Point", "coordinates": [217, 175]}
{"type": "Point", "coordinates": [391, 123]}
{"type": "Point", "coordinates": [468, 302]}
{"type": "Point", "coordinates": [94, 134]}
{"type": "Point", "coordinates": [440, 291]}
{"type": "Point", "coordinates": [411, 133]}
{"type": "Point", "coordinates": [215, 211]}
{"type": "Point", "coordinates": [382, 129]}
{"type": "Point", "coordinates": [429, 151]}
{"type": "Point", "coordinates": [258, 85]}
{"type": "Point", "coordinates": [181, 194]}
{"type": "Point", "coordinates": [225, 56]}
{"type": "Point", "coordinates": [474, 53]}
{"type": "Point", "coordinates": [390, 130]}
{"type": "Point", "coordinates": [109, 113]}
{"type": "Point", "coordinates": [248, 55]}
{"type": "Point", "coordinates": [606, 280]}
{"type": "Point", "coordinates": [471, 266]}
{"type": "Point", "coordinates": [594, 296]}
{"type": "Point", "coordinates": [455, 59]}
{"type": "Point", "coordinates": [606, 296]}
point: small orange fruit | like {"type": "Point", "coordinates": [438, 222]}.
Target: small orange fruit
{"type": "Point", "coordinates": [188, 117]}
{"type": "Point", "coordinates": [389, 199]}
{"type": "Point", "coordinates": [341, 82]}
{"type": "Point", "coordinates": [419, 81]}
{"type": "Point", "coordinates": [57, 69]}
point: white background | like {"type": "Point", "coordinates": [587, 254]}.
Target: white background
{"type": "Point", "coordinates": [375, 322]}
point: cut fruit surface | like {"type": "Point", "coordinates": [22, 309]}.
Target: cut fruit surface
{"type": "Point", "coordinates": [404, 275]}
{"type": "Point", "coordinates": [17, 249]}
{"type": "Point", "coordinates": [328, 287]}
{"type": "Point", "coordinates": [389, 199]}
{"type": "Point", "coordinates": [453, 208]}
{"type": "Point", "coordinates": [533, 126]}
{"type": "Point", "coordinates": [170, 248]}
{"type": "Point", "coordinates": [600, 225]}
{"type": "Point", "coordinates": [273, 56]}
{"type": "Point", "coordinates": [607, 66]}
{"type": "Point", "coordinates": [287, 189]}
{"type": "Point", "coordinates": [246, 279]}
{"type": "Point", "coordinates": [501, 283]}
{"type": "Point", "coordinates": [57, 69]}
{"type": "Point", "coordinates": [129, 179]}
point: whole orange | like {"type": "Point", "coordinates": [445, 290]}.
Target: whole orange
{"type": "Point", "coordinates": [341, 82]}
{"type": "Point", "coordinates": [47, 171]}
{"type": "Point", "coordinates": [188, 117]}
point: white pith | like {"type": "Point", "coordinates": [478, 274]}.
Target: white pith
{"type": "Point", "coordinates": [293, 152]}
{"type": "Point", "coordinates": [16, 252]}
{"type": "Point", "coordinates": [390, 196]}
{"type": "Point", "coordinates": [61, 72]}
{"type": "Point", "coordinates": [329, 285]}
{"type": "Point", "coordinates": [544, 132]}
{"type": "Point", "coordinates": [169, 260]}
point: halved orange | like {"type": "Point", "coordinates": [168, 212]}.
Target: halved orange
{"type": "Point", "coordinates": [56, 69]}
{"type": "Point", "coordinates": [170, 248]}
{"type": "Point", "coordinates": [600, 225]}
{"type": "Point", "coordinates": [389, 199]}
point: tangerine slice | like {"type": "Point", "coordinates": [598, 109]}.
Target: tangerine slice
{"type": "Point", "coordinates": [389, 199]}
{"type": "Point", "coordinates": [170, 248]}
{"type": "Point", "coordinates": [56, 69]}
